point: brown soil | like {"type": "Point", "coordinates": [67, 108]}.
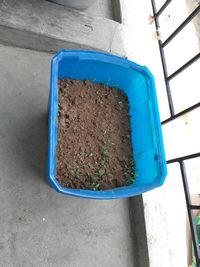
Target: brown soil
{"type": "Point", "coordinates": [94, 148]}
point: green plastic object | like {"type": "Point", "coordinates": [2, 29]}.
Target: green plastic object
{"type": "Point", "coordinates": [197, 223]}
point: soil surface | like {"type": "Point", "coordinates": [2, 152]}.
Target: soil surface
{"type": "Point", "coordinates": [94, 149]}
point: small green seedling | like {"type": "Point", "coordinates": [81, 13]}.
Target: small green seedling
{"type": "Point", "coordinates": [95, 183]}
{"type": "Point", "coordinates": [110, 142]}
{"type": "Point", "coordinates": [75, 174]}
{"type": "Point", "coordinates": [103, 162]}
{"type": "Point", "coordinates": [105, 132]}
{"type": "Point", "coordinates": [104, 151]}
{"type": "Point", "coordinates": [130, 172]}
{"type": "Point", "coordinates": [101, 172]}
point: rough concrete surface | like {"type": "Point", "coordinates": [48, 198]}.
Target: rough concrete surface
{"type": "Point", "coordinates": [46, 26]}
{"type": "Point", "coordinates": [109, 9]}
{"type": "Point", "coordinates": [39, 227]}
{"type": "Point", "coordinates": [101, 8]}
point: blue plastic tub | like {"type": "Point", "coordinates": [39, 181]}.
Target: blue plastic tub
{"type": "Point", "coordinates": [138, 84]}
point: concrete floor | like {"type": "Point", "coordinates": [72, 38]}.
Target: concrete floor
{"type": "Point", "coordinates": [39, 227]}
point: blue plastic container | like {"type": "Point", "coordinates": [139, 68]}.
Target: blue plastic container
{"type": "Point", "coordinates": [138, 84]}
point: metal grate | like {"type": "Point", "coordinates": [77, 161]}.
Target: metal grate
{"type": "Point", "coordinates": [174, 115]}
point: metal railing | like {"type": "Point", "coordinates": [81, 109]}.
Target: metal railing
{"type": "Point", "coordinates": [174, 115]}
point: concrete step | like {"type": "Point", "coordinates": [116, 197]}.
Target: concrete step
{"type": "Point", "coordinates": [46, 26]}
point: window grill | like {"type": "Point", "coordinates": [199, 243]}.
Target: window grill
{"type": "Point", "coordinates": [174, 115]}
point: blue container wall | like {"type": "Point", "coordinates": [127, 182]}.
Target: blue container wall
{"type": "Point", "coordinates": [137, 82]}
